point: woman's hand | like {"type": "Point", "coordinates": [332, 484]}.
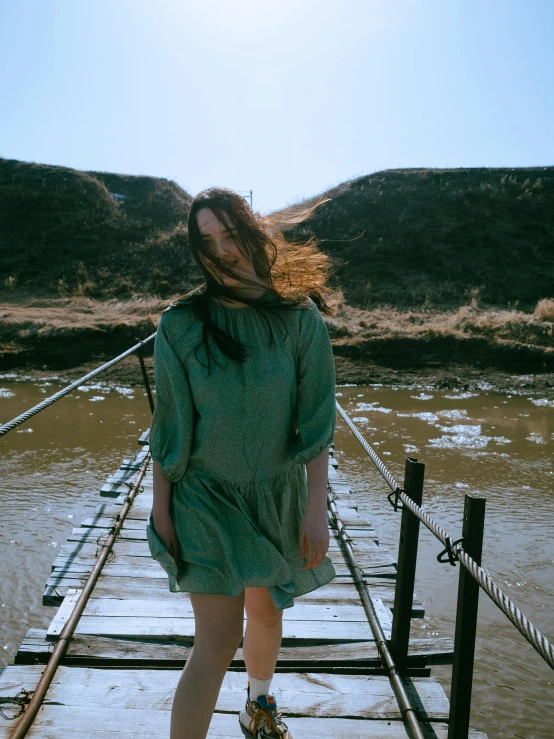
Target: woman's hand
{"type": "Point", "coordinates": [314, 536]}
{"type": "Point", "coordinates": [166, 533]}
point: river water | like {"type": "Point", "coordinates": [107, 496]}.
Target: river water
{"type": "Point", "coordinates": [483, 443]}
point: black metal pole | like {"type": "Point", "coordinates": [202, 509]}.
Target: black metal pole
{"type": "Point", "coordinates": [146, 380]}
{"type": "Point", "coordinates": [466, 621]}
{"type": "Point", "coordinates": [407, 556]}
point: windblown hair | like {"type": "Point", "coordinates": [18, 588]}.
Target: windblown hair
{"type": "Point", "coordinates": [292, 271]}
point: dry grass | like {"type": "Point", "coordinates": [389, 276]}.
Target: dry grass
{"type": "Point", "coordinates": [49, 318]}
{"type": "Point", "coordinates": [95, 329]}
{"type": "Point", "coordinates": [469, 321]}
{"type": "Point", "coordinates": [545, 309]}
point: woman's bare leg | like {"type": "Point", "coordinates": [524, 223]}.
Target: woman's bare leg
{"type": "Point", "coordinates": [263, 634]}
{"type": "Point", "coordinates": [219, 621]}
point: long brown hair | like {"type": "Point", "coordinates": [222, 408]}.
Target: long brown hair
{"type": "Point", "coordinates": [292, 270]}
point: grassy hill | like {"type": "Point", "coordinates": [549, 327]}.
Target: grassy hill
{"type": "Point", "coordinates": [440, 237]}
{"type": "Point", "coordinates": [431, 266]}
{"type": "Point", "coordinates": [66, 232]}
{"type": "Point", "coordinates": [399, 237]}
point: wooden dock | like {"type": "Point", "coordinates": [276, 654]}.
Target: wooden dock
{"type": "Point", "coordinates": [119, 673]}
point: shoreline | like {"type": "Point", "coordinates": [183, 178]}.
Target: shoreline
{"type": "Point", "coordinates": [468, 348]}
{"type": "Point", "coordinates": [456, 377]}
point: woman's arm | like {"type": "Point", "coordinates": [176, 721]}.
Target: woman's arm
{"type": "Point", "coordinates": [314, 533]}
{"type": "Point", "coordinates": [161, 512]}
{"type": "Point", "coordinates": [162, 492]}
{"type": "Point", "coordinates": [317, 473]}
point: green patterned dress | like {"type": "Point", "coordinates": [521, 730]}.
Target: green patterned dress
{"type": "Point", "coordinates": [235, 444]}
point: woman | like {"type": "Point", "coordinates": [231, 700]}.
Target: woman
{"type": "Point", "coordinates": [245, 413]}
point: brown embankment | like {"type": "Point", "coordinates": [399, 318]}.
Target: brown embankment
{"type": "Point", "coordinates": [462, 348]}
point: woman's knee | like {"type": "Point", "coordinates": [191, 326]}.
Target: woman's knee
{"type": "Point", "coordinates": [218, 620]}
{"type": "Point", "coordinates": [261, 608]}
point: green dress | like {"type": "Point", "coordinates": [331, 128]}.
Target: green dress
{"type": "Point", "coordinates": [235, 444]}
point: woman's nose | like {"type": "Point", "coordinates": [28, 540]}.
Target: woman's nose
{"type": "Point", "coordinates": [224, 254]}
{"type": "Point", "coordinates": [223, 250]}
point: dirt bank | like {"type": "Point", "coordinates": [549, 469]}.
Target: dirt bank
{"type": "Point", "coordinates": [468, 348]}
{"type": "Point", "coordinates": [451, 377]}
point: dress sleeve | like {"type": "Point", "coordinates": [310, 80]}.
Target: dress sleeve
{"type": "Point", "coordinates": [315, 404]}
{"type": "Point", "coordinates": [172, 426]}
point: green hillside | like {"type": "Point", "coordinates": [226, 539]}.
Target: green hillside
{"type": "Point", "coordinates": [440, 237]}
{"type": "Point", "coordinates": [66, 232]}
{"type": "Point", "coordinates": [403, 238]}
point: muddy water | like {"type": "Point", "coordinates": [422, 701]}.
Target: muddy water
{"type": "Point", "coordinates": [52, 468]}
{"type": "Point", "coordinates": [497, 446]}
{"type": "Point", "coordinates": [487, 444]}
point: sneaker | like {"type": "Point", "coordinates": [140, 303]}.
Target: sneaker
{"type": "Point", "coordinates": [262, 720]}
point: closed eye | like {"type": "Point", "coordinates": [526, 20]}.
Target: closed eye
{"type": "Point", "coordinates": [230, 234]}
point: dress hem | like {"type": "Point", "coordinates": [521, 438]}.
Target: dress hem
{"type": "Point", "coordinates": [289, 603]}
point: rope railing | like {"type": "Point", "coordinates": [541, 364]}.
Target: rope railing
{"type": "Point", "coordinates": [455, 549]}
{"type": "Point", "coordinates": [14, 423]}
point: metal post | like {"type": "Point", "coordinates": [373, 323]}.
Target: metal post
{"type": "Point", "coordinates": [466, 621]}
{"type": "Point", "coordinates": [145, 378]}
{"type": "Point", "coordinates": [407, 556]}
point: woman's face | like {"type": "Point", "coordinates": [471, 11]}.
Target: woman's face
{"type": "Point", "coordinates": [221, 239]}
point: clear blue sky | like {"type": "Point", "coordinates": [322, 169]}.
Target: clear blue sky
{"type": "Point", "coordinates": [287, 97]}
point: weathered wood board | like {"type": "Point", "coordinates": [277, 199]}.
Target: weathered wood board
{"type": "Point", "coordinates": [99, 703]}
{"type": "Point", "coordinates": [129, 650]}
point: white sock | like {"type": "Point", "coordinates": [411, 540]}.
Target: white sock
{"type": "Point", "coordinates": [258, 687]}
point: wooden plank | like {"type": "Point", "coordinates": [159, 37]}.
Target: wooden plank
{"type": "Point", "coordinates": [384, 616]}
{"type": "Point", "coordinates": [341, 593]}
{"type": "Point", "coordinates": [64, 611]}
{"type": "Point", "coordinates": [143, 438]}
{"type": "Point", "coordinates": [121, 474]}
{"type": "Point", "coordinates": [114, 490]}
{"type": "Point", "coordinates": [55, 722]}
{"type": "Point", "coordinates": [313, 631]}
{"type": "Point", "coordinates": [84, 649]}
{"type": "Point", "coordinates": [129, 551]}
{"type": "Point", "coordinates": [156, 589]}
{"type": "Point", "coordinates": [129, 524]}
{"type": "Point", "coordinates": [112, 616]}
{"type": "Point", "coordinates": [137, 522]}
{"type": "Point", "coordinates": [301, 694]}
{"type": "Point", "coordinates": [132, 464]}
{"type": "Point", "coordinates": [182, 607]}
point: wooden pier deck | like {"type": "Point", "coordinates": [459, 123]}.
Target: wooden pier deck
{"type": "Point", "coordinates": [120, 670]}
